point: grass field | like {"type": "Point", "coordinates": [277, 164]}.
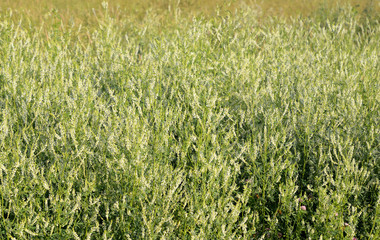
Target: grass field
{"type": "Point", "coordinates": [82, 12]}
{"type": "Point", "coordinates": [153, 124]}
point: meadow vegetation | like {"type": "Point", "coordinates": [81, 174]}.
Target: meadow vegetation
{"type": "Point", "coordinates": [87, 12]}
{"type": "Point", "coordinates": [228, 125]}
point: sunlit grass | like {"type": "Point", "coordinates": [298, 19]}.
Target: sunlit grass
{"type": "Point", "coordinates": [213, 127]}
{"type": "Point", "coordinates": [82, 12]}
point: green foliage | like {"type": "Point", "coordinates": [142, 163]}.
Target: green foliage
{"type": "Point", "coordinates": [208, 129]}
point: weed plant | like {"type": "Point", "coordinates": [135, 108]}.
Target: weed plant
{"type": "Point", "coordinates": [218, 128]}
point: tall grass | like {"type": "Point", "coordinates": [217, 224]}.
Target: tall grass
{"type": "Point", "coordinates": [216, 128]}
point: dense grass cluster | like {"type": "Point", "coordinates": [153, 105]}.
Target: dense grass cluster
{"type": "Point", "coordinates": [208, 129]}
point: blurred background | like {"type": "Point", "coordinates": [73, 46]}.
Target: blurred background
{"type": "Point", "coordinates": [84, 12]}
